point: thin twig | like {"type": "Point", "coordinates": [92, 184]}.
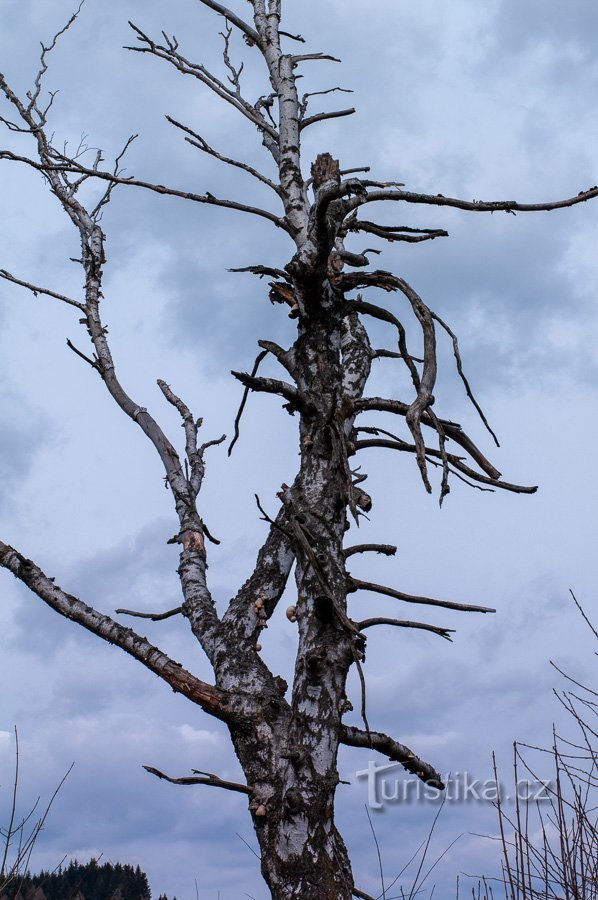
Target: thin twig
{"type": "Point", "coordinates": [356, 584]}
{"type": "Point", "coordinates": [379, 855]}
{"type": "Point", "coordinates": [35, 290]}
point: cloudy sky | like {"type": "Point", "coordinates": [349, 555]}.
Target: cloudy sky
{"type": "Point", "coordinates": [486, 100]}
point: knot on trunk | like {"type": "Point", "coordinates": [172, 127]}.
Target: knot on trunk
{"type": "Point", "coordinates": [293, 801]}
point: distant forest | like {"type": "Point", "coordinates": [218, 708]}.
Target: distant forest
{"type": "Point", "coordinates": [90, 881]}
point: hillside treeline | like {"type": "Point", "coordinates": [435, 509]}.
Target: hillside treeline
{"type": "Point", "coordinates": [88, 881]}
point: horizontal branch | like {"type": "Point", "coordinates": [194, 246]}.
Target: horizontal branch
{"type": "Point", "coordinates": [271, 386]}
{"type": "Point", "coordinates": [386, 549]}
{"type": "Point", "coordinates": [306, 57]}
{"type": "Point", "coordinates": [210, 698]}
{"type": "Point", "coordinates": [376, 740]}
{"type": "Point", "coordinates": [154, 617]}
{"type": "Point", "coordinates": [74, 167]}
{"type": "Point", "coordinates": [393, 233]}
{"type": "Point", "coordinates": [321, 117]}
{"type": "Point", "coordinates": [356, 584]}
{"type": "Point", "coordinates": [263, 271]}
{"type": "Point", "coordinates": [403, 623]}
{"type": "Point", "coordinates": [39, 290]}
{"type": "Point", "coordinates": [509, 206]}
{"type": "Point", "coordinates": [202, 778]}
{"type": "Point", "coordinates": [385, 281]}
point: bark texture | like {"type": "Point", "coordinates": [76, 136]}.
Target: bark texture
{"type": "Point", "coordinates": [286, 736]}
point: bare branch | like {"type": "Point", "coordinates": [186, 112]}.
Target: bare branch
{"type": "Point", "coordinates": [401, 623]}
{"type": "Point", "coordinates": [376, 740]}
{"type": "Point", "coordinates": [196, 140]}
{"type": "Point", "coordinates": [106, 197]}
{"type": "Point", "coordinates": [357, 169]}
{"type": "Point", "coordinates": [509, 206]}
{"type": "Point", "coordinates": [263, 271]}
{"type": "Point", "coordinates": [468, 390]}
{"type": "Point", "coordinates": [385, 549]}
{"type": "Point", "coordinates": [305, 57]}
{"type": "Point", "coordinates": [245, 617]}
{"type": "Point", "coordinates": [39, 290]}
{"type": "Point", "coordinates": [356, 584]}
{"type": "Point", "coordinates": [202, 778]}
{"type": "Point", "coordinates": [272, 386]}
{"type": "Point", "coordinates": [193, 452]}
{"type": "Point", "coordinates": [455, 461]}
{"type": "Point", "coordinates": [230, 16]}
{"type": "Point", "coordinates": [451, 429]}
{"type": "Point", "coordinates": [186, 67]}
{"type": "Point", "coordinates": [199, 606]}
{"type": "Point", "coordinates": [211, 699]}
{"type": "Point", "coordinates": [323, 116]}
{"type": "Point", "coordinates": [209, 199]}
{"type": "Point", "coordinates": [583, 614]}
{"type": "Point", "coordinates": [305, 102]}
{"type": "Point", "coordinates": [154, 617]}
{"type": "Point", "coordinates": [286, 358]}
{"type": "Point", "coordinates": [94, 363]}
{"type": "Point", "coordinates": [393, 233]}
{"type": "Point", "coordinates": [382, 353]}
{"type": "Point", "coordinates": [33, 96]}
{"type": "Point", "coordinates": [256, 365]}
{"type": "Point", "coordinates": [384, 315]}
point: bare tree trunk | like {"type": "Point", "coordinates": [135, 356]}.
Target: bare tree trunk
{"type": "Point", "coordinates": [292, 755]}
{"type": "Point", "coordinates": [302, 853]}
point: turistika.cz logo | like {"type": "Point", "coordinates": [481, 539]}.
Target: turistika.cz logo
{"type": "Point", "coordinates": [385, 786]}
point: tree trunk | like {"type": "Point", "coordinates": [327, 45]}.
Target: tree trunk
{"type": "Point", "coordinates": [290, 756]}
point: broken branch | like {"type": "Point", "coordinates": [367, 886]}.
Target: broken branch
{"type": "Point", "coordinates": [202, 778]}
{"type": "Point", "coordinates": [402, 623]}
{"type": "Point", "coordinates": [271, 386]}
{"type": "Point", "coordinates": [386, 549]}
{"type": "Point", "coordinates": [376, 740]}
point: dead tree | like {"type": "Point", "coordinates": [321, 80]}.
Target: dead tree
{"type": "Point", "coordinates": [286, 738]}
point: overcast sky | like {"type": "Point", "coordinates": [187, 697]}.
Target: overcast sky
{"type": "Point", "coordinates": [486, 100]}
